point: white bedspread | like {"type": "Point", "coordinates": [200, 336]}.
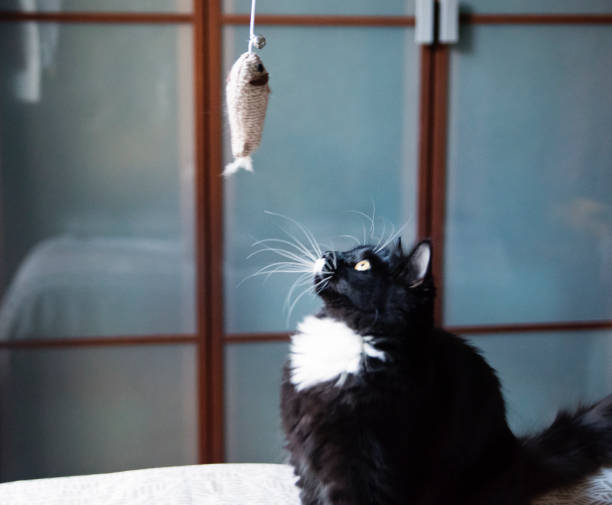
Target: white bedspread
{"type": "Point", "coordinates": [228, 484]}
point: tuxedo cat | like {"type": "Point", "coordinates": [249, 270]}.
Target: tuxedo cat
{"type": "Point", "coordinates": [379, 407]}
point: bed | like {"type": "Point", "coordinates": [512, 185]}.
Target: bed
{"type": "Point", "coordinates": [226, 484]}
{"type": "Point", "coordinates": [70, 286]}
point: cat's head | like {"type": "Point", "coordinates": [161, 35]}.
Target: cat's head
{"type": "Point", "coordinates": [371, 288]}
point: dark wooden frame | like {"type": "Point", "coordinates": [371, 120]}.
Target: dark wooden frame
{"type": "Point", "coordinates": [207, 21]}
{"type": "Point", "coordinates": [317, 20]}
{"type": "Point", "coordinates": [207, 340]}
{"type": "Point", "coordinates": [492, 329]}
{"type": "Point", "coordinates": [212, 311]}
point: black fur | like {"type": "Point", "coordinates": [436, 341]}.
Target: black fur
{"type": "Point", "coordinates": [428, 425]}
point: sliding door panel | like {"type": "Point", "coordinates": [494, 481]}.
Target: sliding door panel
{"type": "Point", "coordinates": [96, 164]}
{"type": "Point", "coordinates": [92, 410]}
{"type": "Point", "coordinates": [252, 401]}
{"type": "Point", "coordinates": [340, 136]}
{"type": "Point", "coordinates": [544, 372]}
{"type": "Point", "coordinates": [529, 216]}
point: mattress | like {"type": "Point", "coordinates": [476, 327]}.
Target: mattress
{"type": "Point", "coordinates": [227, 484]}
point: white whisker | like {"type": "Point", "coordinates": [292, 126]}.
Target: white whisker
{"type": "Point", "coordinates": [373, 217]}
{"type": "Point", "coordinates": [309, 253]}
{"type": "Point", "coordinates": [298, 256]}
{"type": "Point", "coordinates": [382, 236]}
{"type": "Point", "coordinates": [392, 237]}
{"type": "Point", "coordinates": [307, 233]}
{"type": "Point", "coordinates": [283, 264]}
{"type": "Point", "coordinates": [286, 270]}
{"type": "Point", "coordinates": [302, 280]}
{"type": "Point", "coordinates": [302, 294]}
{"type": "Point", "coordinates": [281, 267]}
{"type": "Point", "coordinates": [351, 237]}
{"type": "Point", "coordinates": [282, 252]}
{"type": "Point", "coordinates": [316, 250]}
{"type": "Point", "coordinates": [370, 220]}
{"type": "Point", "coordinates": [298, 245]}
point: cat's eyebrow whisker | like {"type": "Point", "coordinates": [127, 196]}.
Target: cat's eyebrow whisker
{"type": "Point", "coordinates": [370, 220]}
{"type": "Point", "coordinates": [352, 237]}
{"type": "Point", "coordinates": [382, 236]}
{"type": "Point", "coordinates": [373, 217]}
{"type": "Point", "coordinates": [386, 241]}
{"type": "Point", "coordinates": [392, 237]}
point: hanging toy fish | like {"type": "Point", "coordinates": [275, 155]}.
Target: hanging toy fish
{"type": "Point", "coordinates": [247, 93]}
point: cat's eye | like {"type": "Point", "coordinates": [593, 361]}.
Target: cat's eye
{"type": "Point", "coordinates": [363, 265]}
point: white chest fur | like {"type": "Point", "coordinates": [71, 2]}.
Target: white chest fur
{"type": "Point", "coordinates": [326, 349]}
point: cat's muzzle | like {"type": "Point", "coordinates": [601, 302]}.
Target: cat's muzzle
{"type": "Point", "coordinates": [324, 266]}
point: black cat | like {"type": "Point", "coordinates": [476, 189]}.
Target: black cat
{"type": "Point", "coordinates": [381, 408]}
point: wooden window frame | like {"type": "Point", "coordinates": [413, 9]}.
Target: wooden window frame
{"type": "Point", "coordinates": [207, 22]}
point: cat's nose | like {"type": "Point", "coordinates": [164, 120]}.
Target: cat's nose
{"type": "Point", "coordinates": [331, 261]}
{"type": "Point", "coordinates": [326, 263]}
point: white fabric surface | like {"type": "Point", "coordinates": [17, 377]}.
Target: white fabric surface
{"type": "Point", "coordinates": [228, 484]}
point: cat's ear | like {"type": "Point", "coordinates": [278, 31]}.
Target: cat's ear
{"type": "Point", "coordinates": [417, 265]}
{"type": "Point", "coordinates": [397, 249]}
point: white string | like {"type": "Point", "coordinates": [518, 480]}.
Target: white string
{"type": "Point", "coordinates": [252, 33]}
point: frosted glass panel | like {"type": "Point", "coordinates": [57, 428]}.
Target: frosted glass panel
{"type": "Point", "coordinates": [537, 6]}
{"type": "Point", "coordinates": [252, 387]}
{"type": "Point", "coordinates": [540, 373]}
{"type": "Point", "coordinates": [340, 134]}
{"type": "Point", "coordinates": [529, 215]}
{"type": "Point", "coordinates": [98, 5]}
{"type": "Point", "coordinates": [91, 410]}
{"type": "Point", "coordinates": [97, 180]}
{"type": "Point", "coordinates": [544, 372]}
{"type": "Point", "coordinates": [388, 7]}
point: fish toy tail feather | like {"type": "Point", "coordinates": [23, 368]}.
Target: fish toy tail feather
{"type": "Point", "coordinates": [243, 162]}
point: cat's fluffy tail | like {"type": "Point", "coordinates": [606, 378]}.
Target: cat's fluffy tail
{"type": "Point", "coordinates": [575, 446]}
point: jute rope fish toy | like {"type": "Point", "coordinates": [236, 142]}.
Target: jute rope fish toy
{"type": "Point", "coordinates": [247, 93]}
